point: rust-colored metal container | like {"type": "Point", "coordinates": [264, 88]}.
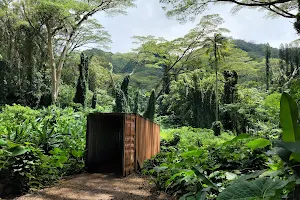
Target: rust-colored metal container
{"type": "Point", "coordinates": [147, 140]}
{"type": "Point", "coordinates": [120, 143]}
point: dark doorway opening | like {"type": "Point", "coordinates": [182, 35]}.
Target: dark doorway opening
{"type": "Point", "coordinates": [105, 144]}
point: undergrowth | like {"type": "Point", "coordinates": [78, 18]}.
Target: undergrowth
{"type": "Point", "coordinates": [194, 164]}
{"type": "Point", "coordinates": [37, 147]}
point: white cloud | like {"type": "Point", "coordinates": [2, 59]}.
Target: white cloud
{"type": "Point", "coordinates": [149, 19]}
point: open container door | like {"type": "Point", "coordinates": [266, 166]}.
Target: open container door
{"type": "Point", "coordinates": [129, 144]}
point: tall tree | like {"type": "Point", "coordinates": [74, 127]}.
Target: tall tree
{"type": "Point", "coordinates": [64, 22]}
{"type": "Point", "coordinates": [150, 112]}
{"type": "Point", "coordinates": [197, 103]}
{"type": "Point", "coordinates": [268, 55]}
{"type": "Point", "coordinates": [3, 82]}
{"type": "Point", "coordinates": [94, 100]}
{"type": "Point", "coordinates": [136, 106]}
{"type": "Point", "coordinates": [172, 56]}
{"type": "Point", "coordinates": [124, 85]}
{"type": "Point", "coordinates": [216, 45]}
{"type": "Point", "coordinates": [121, 105]}
{"type": "Point", "coordinates": [289, 63]}
{"type": "Point", "coordinates": [82, 85]}
{"type": "Point", "coordinates": [184, 9]}
{"type": "Point", "coordinates": [229, 118]}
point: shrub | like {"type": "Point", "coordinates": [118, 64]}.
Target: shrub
{"type": "Point", "coordinates": [37, 147]}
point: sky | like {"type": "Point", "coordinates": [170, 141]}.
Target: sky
{"type": "Point", "coordinates": [148, 18]}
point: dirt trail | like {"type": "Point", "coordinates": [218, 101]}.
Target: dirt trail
{"type": "Point", "coordinates": [99, 187]}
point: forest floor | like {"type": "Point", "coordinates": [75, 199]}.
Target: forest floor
{"type": "Point", "coordinates": [99, 187]}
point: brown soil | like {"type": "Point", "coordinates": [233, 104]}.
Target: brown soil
{"type": "Point", "coordinates": [99, 187]}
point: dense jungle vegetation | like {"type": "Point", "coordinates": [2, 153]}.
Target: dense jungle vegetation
{"type": "Point", "coordinates": [228, 108]}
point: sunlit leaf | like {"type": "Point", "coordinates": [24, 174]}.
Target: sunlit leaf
{"type": "Point", "coordinates": [258, 143]}
{"type": "Point", "coordinates": [239, 137]}
{"type": "Point", "coordinates": [194, 153]}
{"type": "Point", "coordinates": [230, 176]}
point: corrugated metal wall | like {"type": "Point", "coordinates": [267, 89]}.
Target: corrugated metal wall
{"type": "Point", "coordinates": [147, 140]}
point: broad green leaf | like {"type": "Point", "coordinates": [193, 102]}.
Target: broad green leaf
{"type": "Point", "coordinates": [18, 150]}
{"type": "Point", "coordinates": [204, 178]}
{"type": "Point", "coordinates": [59, 164]}
{"type": "Point", "coordinates": [261, 188]}
{"type": "Point", "coordinates": [188, 196]}
{"type": "Point", "coordinates": [191, 198]}
{"type": "Point", "coordinates": [2, 142]}
{"type": "Point", "coordinates": [283, 153]}
{"type": "Point", "coordinates": [170, 180]}
{"type": "Point", "coordinates": [230, 176]}
{"type": "Point", "coordinates": [248, 176]}
{"type": "Point", "coordinates": [271, 174]}
{"type": "Point", "coordinates": [239, 137]}
{"type": "Point", "coordinates": [258, 143]}
{"type": "Point", "coordinates": [56, 151]}
{"type": "Point", "coordinates": [76, 154]}
{"type": "Point", "coordinates": [295, 156]}
{"type": "Point", "coordinates": [201, 195]}
{"type": "Point", "coordinates": [288, 119]}
{"type": "Point", "coordinates": [160, 169]}
{"type": "Point", "coordinates": [290, 146]}
{"type": "Point", "coordinates": [62, 159]}
{"type": "Point", "coordinates": [194, 153]}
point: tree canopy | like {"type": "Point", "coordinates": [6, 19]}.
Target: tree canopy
{"type": "Point", "coordinates": [187, 10]}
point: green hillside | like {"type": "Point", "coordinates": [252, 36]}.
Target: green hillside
{"type": "Point", "coordinates": [255, 51]}
{"type": "Point", "coordinates": [146, 76]}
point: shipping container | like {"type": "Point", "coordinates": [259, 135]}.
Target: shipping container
{"type": "Point", "coordinates": [120, 143]}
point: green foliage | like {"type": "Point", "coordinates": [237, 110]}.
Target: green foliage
{"type": "Point", "coordinates": [121, 102]}
{"type": "Point", "coordinates": [295, 90]}
{"type": "Point", "coordinates": [37, 147]}
{"type": "Point", "coordinates": [136, 108]}
{"type": "Point", "coordinates": [200, 165]}
{"type": "Point", "coordinates": [192, 100]}
{"type": "Point", "coordinates": [261, 188]}
{"type": "Point", "coordinates": [99, 75]}
{"type": "Point", "coordinates": [66, 96]}
{"type": "Point", "coordinates": [256, 51]}
{"type": "Point", "coordinates": [289, 119]}
{"type": "Point", "coordinates": [258, 143]}
{"type": "Point", "coordinates": [94, 101]}
{"type": "Point", "coordinates": [286, 176]}
{"type": "Point", "coordinates": [150, 112]}
{"type": "Point", "coordinates": [82, 84]}
{"type": "Point", "coordinates": [124, 85]}
{"type": "Point", "coordinates": [194, 162]}
{"type": "Point", "coordinates": [268, 55]}
{"type": "Point", "coordinates": [217, 127]}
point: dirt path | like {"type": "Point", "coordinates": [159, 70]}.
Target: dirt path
{"type": "Point", "coordinates": [99, 187]}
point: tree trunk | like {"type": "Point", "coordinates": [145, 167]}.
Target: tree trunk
{"type": "Point", "coordinates": [56, 70]}
{"type": "Point", "coordinates": [54, 90]}
{"type": "Point", "coordinates": [216, 89]}
{"type": "Point", "coordinates": [267, 75]}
